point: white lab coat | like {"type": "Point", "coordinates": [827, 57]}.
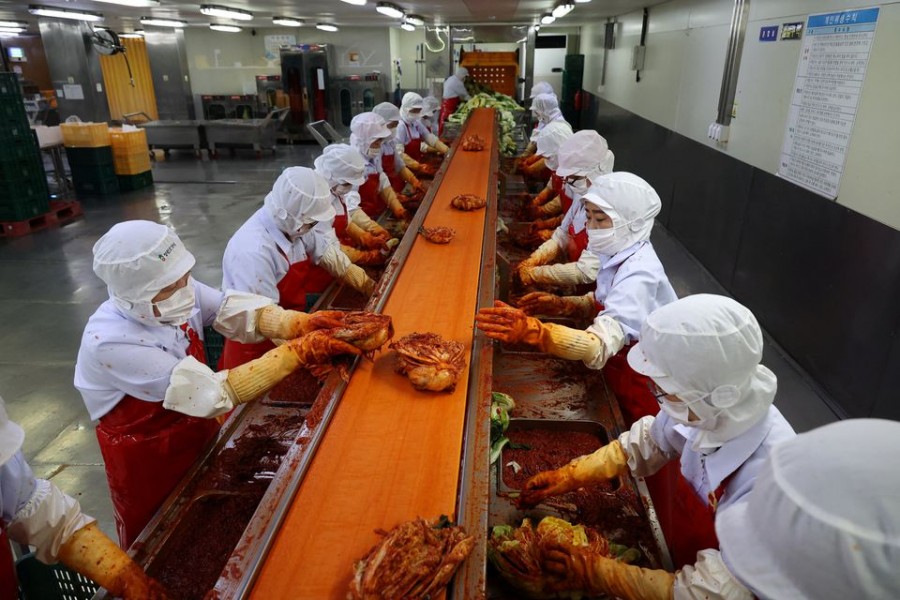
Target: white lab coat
{"type": "Point", "coordinates": [654, 441]}
{"type": "Point", "coordinates": [587, 263]}
{"type": "Point", "coordinates": [540, 125]}
{"type": "Point", "coordinates": [454, 87]}
{"type": "Point", "coordinates": [259, 255]}
{"type": "Point", "coordinates": [407, 132]}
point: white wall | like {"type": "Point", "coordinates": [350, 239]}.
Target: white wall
{"type": "Point", "coordinates": [679, 87]}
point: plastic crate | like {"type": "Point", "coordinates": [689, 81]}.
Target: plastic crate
{"type": "Point", "coordinates": [25, 168]}
{"type": "Point", "coordinates": [9, 86]}
{"type": "Point", "coordinates": [21, 149]}
{"type": "Point", "coordinates": [19, 191]}
{"type": "Point", "coordinates": [96, 187]}
{"type": "Point", "coordinates": [52, 582]}
{"type": "Point", "coordinates": [128, 142]}
{"type": "Point", "coordinates": [137, 181]}
{"type": "Point", "coordinates": [85, 135]}
{"type": "Point", "coordinates": [21, 211]}
{"type": "Point", "coordinates": [15, 132]}
{"type": "Point", "coordinates": [93, 172]}
{"type": "Point", "coordinates": [214, 343]}
{"type": "Point", "coordinates": [89, 157]}
{"type": "Point", "coordinates": [13, 110]}
{"type": "Point", "coordinates": [131, 164]}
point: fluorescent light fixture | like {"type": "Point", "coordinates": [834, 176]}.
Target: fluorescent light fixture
{"type": "Point", "coordinates": [162, 22]}
{"type": "Point", "coordinates": [131, 35]}
{"type": "Point", "coordinates": [64, 13]}
{"type": "Point", "coordinates": [562, 9]}
{"type": "Point", "coordinates": [390, 10]}
{"type": "Point", "coordinates": [355, 2]}
{"type": "Point", "coordinates": [547, 18]}
{"type": "Point", "coordinates": [225, 28]}
{"type": "Point", "coordinates": [12, 24]}
{"type": "Point", "coordinates": [407, 26]}
{"type": "Point", "coordinates": [326, 27]}
{"type": "Point", "coordinates": [213, 10]}
{"type": "Point", "coordinates": [287, 21]}
{"type": "Point", "coordinates": [582, 1]}
{"type": "Point", "coordinates": [8, 35]}
{"type": "Point", "coordinates": [12, 29]}
{"type": "Point", "coordinates": [133, 3]}
{"type": "Point", "coordinates": [416, 20]}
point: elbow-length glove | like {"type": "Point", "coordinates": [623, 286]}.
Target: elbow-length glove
{"type": "Point", "coordinates": [608, 462]}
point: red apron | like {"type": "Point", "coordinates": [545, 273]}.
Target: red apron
{"type": "Point", "coordinates": [369, 199]}
{"type": "Point", "coordinates": [558, 184]}
{"type": "Point", "coordinates": [301, 279]}
{"type": "Point", "coordinates": [389, 166]}
{"type": "Point", "coordinates": [147, 450]}
{"type": "Point", "coordinates": [413, 148]}
{"type": "Point", "coordinates": [448, 107]}
{"type": "Point", "coordinates": [340, 225]}
{"type": "Point", "coordinates": [578, 242]}
{"type": "Point", "coordinates": [9, 589]}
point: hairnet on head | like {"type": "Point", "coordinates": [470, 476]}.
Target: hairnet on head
{"type": "Point", "coordinates": [11, 435]}
{"type": "Point", "coordinates": [340, 163]}
{"type": "Point", "coordinates": [583, 154]}
{"type": "Point", "coordinates": [546, 107]}
{"type": "Point", "coordinates": [705, 349]}
{"type": "Point", "coordinates": [822, 520]}
{"type": "Point", "coordinates": [630, 202]}
{"type": "Point", "coordinates": [462, 73]}
{"type": "Point", "coordinates": [541, 87]}
{"type": "Point", "coordinates": [136, 260]}
{"type": "Point", "coordinates": [300, 196]}
{"type": "Point", "coordinates": [411, 100]}
{"type": "Point", "coordinates": [430, 105]}
{"type": "Point", "coordinates": [551, 137]}
{"type": "Point", "coordinates": [365, 128]}
{"type": "Point", "coordinates": [387, 111]}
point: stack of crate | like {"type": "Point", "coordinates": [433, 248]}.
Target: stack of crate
{"type": "Point", "coordinates": [90, 157]}
{"type": "Point", "coordinates": [131, 157]}
{"type": "Point", "coordinates": [23, 183]}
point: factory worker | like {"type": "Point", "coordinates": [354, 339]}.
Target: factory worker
{"type": "Point", "coordinates": [391, 160]}
{"type": "Point", "coordinates": [582, 159]}
{"type": "Point", "coordinates": [141, 367]}
{"type": "Point", "coordinates": [630, 284]}
{"type": "Point", "coordinates": [552, 203]}
{"type": "Point", "coordinates": [545, 110]}
{"type": "Point", "coordinates": [541, 87]}
{"type": "Point", "coordinates": [717, 424]}
{"type": "Point", "coordinates": [454, 93]}
{"type": "Point", "coordinates": [287, 251]}
{"type": "Point", "coordinates": [412, 132]}
{"type": "Point", "coordinates": [35, 512]}
{"type": "Point", "coordinates": [368, 134]}
{"type": "Point", "coordinates": [364, 241]}
{"type": "Point", "coordinates": [430, 107]}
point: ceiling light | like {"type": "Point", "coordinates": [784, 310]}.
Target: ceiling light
{"type": "Point", "coordinates": [326, 27]}
{"type": "Point", "coordinates": [547, 18]}
{"type": "Point", "coordinates": [390, 10]}
{"type": "Point", "coordinates": [162, 22]}
{"type": "Point", "coordinates": [133, 3]}
{"type": "Point", "coordinates": [214, 10]}
{"type": "Point", "coordinates": [12, 29]}
{"type": "Point", "coordinates": [287, 21]}
{"type": "Point", "coordinates": [416, 20]}
{"type": "Point", "coordinates": [12, 24]}
{"type": "Point", "coordinates": [562, 9]}
{"type": "Point", "coordinates": [64, 13]}
{"type": "Point", "coordinates": [225, 28]}
{"type": "Point", "coordinates": [133, 34]}
{"type": "Point", "coordinates": [407, 26]}
{"type": "Point", "coordinates": [582, 1]}
{"type": "Point", "coordinates": [355, 2]}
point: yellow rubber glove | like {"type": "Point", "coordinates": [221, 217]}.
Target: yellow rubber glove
{"type": "Point", "coordinates": [545, 195]}
{"type": "Point", "coordinates": [511, 325]}
{"type": "Point", "coordinates": [550, 223]}
{"type": "Point", "coordinates": [549, 209]}
{"type": "Point", "coordinates": [543, 303]}
{"type": "Point", "coordinates": [356, 278]}
{"type": "Point", "coordinates": [560, 274]}
{"type": "Point", "coordinates": [441, 147]}
{"type": "Point", "coordinates": [599, 575]}
{"type": "Point", "coordinates": [90, 552]}
{"type": "Point", "coordinates": [393, 203]}
{"type": "Point", "coordinates": [546, 253]}
{"type": "Point", "coordinates": [535, 169]}
{"type": "Point", "coordinates": [364, 257]}
{"type": "Point", "coordinates": [410, 178]}
{"type": "Point", "coordinates": [526, 154]}
{"type": "Point", "coordinates": [275, 322]}
{"type": "Point", "coordinates": [410, 162]}
{"type": "Point", "coordinates": [360, 218]}
{"type": "Point", "coordinates": [606, 463]}
{"type": "Point", "coordinates": [363, 239]}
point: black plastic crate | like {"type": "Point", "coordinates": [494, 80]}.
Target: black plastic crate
{"type": "Point", "coordinates": [9, 85]}
{"type": "Point", "coordinates": [214, 344]}
{"type": "Point", "coordinates": [24, 210]}
{"type": "Point", "coordinates": [23, 191]}
{"type": "Point", "coordinates": [12, 109]}
{"type": "Point", "coordinates": [24, 148]}
{"type": "Point", "coordinates": [96, 187]}
{"type": "Point", "coordinates": [23, 169]}
{"type": "Point", "coordinates": [128, 183]}
{"type": "Point", "coordinates": [89, 157]}
{"type": "Point", "coordinates": [93, 172]}
{"type": "Point", "coordinates": [14, 132]}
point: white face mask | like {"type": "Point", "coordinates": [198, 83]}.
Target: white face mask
{"type": "Point", "coordinates": [342, 189]}
{"type": "Point", "coordinates": [603, 241]}
{"type": "Point", "coordinates": [415, 116]}
{"type": "Point", "coordinates": [301, 232]}
{"type": "Point", "coordinates": [177, 308]}
{"type": "Point", "coordinates": [373, 152]}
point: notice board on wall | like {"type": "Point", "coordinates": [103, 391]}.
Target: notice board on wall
{"type": "Point", "coordinates": [827, 88]}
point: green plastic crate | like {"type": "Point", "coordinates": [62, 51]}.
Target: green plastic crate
{"type": "Point", "coordinates": [214, 343]}
{"type": "Point", "coordinates": [15, 132]}
{"type": "Point", "coordinates": [93, 172]}
{"type": "Point", "coordinates": [23, 191]}
{"type": "Point", "coordinates": [128, 183]}
{"type": "Point", "coordinates": [24, 211]}
{"type": "Point", "coordinates": [23, 169]}
{"type": "Point", "coordinates": [89, 157]}
{"type": "Point", "coordinates": [96, 187]}
{"type": "Point", "coordinates": [52, 582]}
{"type": "Point", "coordinates": [13, 110]}
{"type": "Point", "coordinates": [9, 85]}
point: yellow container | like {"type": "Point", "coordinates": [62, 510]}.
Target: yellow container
{"type": "Point", "coordinates": [85, 135]}
{"type": "Point", "coordinates": [131, 164]}
{"type": "Point", "coordinates": [129, 141]}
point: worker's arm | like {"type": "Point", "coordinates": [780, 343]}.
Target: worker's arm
{"type": "Point", "coordinates": [545, 253]}
{"type": "Point", "coordinates": [583, 271]}
{"type": "Point", "coordinates": [338, 264]}
{"type": "Point", "coordinates": [543, 303]}
{"type": "Point", "coordinates": [433, 141]}
{"type": "Point", "coordinates": [250, 319]}
{"type": "Point", "coordinates": [360, 218]}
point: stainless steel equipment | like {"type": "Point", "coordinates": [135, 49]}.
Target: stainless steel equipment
{"type": "Point", "coordinates": [258, 133]}
{"type": "Point", "coordinates": [305, 73]}
{"type": "Point", "coordinates": [166, 135]}
{"type": "Point", "coordinates": [356, 94]}
{"type": "Point", "coordinates": [268, 88]}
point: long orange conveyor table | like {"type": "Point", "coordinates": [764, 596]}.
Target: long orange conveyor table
{"type": "Point", "coordinates": [391, 453]}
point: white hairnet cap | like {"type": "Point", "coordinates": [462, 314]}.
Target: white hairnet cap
{"type": "Point", "coordinates": [823, 518]}
{"type": "Point", "coordinates": [545, 105]}
{"type": "Point", "coordinates": [583, 154]}
{"type": "Point", "coordinates": [550, 138]}
{"type": "Point", "coordinates": [136, 260]}
{"type": "Point", "coordinates": [340, 163]}
{"type": "Point", "coordinates": [541, 87]}
{"type": "Point", "coordinates": [429, 105]}
{"type": "Point", "coordinates": [300, 196]}
{"type": "Point", "coordinates": [462, 73]}
{"type": "Point", "coordinates": [411, 100]}
{"type": "Point", "coordinates": [11, 435]}
{"type": "Point", "coordinates": [705, 349]}
{"type": "Point", "coordinates": [365, 128]}
{"type": "Point", "coordinates": [387, 111]}
{"type": "Point", "coordinates": [629, 201]}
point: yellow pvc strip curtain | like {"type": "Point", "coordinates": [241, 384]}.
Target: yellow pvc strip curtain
{"type": "Point", "coordinates": [122, 98]}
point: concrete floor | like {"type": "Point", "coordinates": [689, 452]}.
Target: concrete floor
{"type": "Point", "coordinates": [49, 291]}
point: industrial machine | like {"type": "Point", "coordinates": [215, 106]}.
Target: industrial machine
{"type": "Point", "coordinates": [356, 94]}
{"type": "Point", "coordinates": [269, 93]}
{"type": "Point", "coordinates": [305, 73]}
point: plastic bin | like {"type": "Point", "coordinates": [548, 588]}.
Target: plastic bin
{"type": "Point", "coordinates": [52, 582]}
{"type": "Point", "coordinates": [24, 210]}
{"type": "Point", "coordinates": [24, 168]}
{"type": "Point", "coordinates": [97, 187]}
{"type": "Point", "coordinates": [89, 157]}
{"type": "Point", "coordinates": [131, 164]}
{"type": "Point", "coordinates": [85, 135]}
{"type": "Point", "coordinates": [9, 86]}
{"type": "Point", "coordinates": [137, 181]}
{"type": "Point", "coordinates": [214, 343]}
{"type": "Point", "coordinates": [128, 142]}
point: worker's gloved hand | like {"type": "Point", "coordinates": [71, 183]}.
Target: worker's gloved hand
{"type": "Point", "coordinates": [508, 324]}
{"type": "Point", "coordinates": [544, 254]}
{"type": "Point", "coordinates": [275, 322]}
{"type": "Point", "coordinates": [365, 257]}
{"type": "Point", "coordinates": [319, 347]}
{"type": "Point", "coordinates": [427, 170]}
{"type": "Point", "coordinates": [535, 168]}
{"type": "Point", "coordinates": [576, 568]}
{"type": "Point", "coordinates": [543, 303]}
{"type": "Point", "coordinates": [545, 195]}
{"type": "Point", "coordinates": [402, 214]}
{"type": "Point", "coordinates": [524, 275]}
{"type": "Point", "coordinates": [90, 552]}
{"type": "Point", "coordinates": [393, 203]}
{"type": "Point", "coordinates": [550, 223]}
{"type": "Point", "coordinates": [373, 242]}
{"type": "Point", "coordinates": [536, 237]}
{"type": "Point", "coordinates": [441, 147]}
{"type": "Point", "coordinates": [604, 464]}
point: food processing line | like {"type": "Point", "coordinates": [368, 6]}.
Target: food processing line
{"type": "Point", "coordinates": [295, 487]}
